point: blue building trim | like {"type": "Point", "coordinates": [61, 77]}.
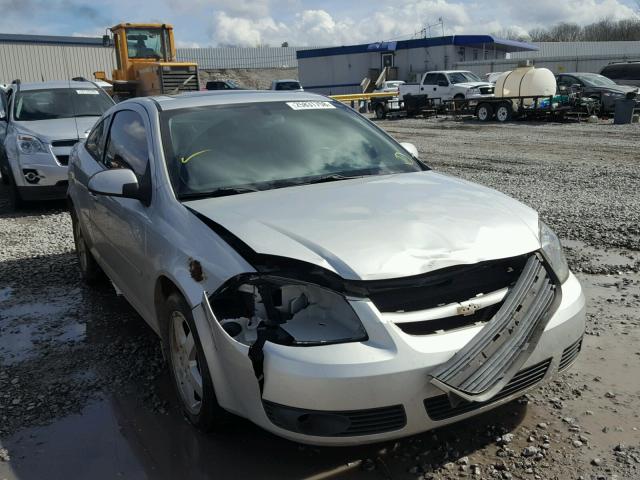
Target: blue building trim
{"type": "Point", "coordinates": [50, 40]}
{"type": "Point", "coordinates": [461, 40]}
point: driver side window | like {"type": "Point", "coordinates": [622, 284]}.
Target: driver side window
{"type": "Point", "coordinates": [127, 143]}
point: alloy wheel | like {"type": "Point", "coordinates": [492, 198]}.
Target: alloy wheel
{"type": "Point", "coordinates": [184, 361]}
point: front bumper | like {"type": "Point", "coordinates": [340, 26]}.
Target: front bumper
{"type": "Point", "coordinates": [383, 380]}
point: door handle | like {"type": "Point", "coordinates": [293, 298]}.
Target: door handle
{"type": "Point", "coordinates": [434, 89]}
{"type": "Point", "coordinates": [421, 88]}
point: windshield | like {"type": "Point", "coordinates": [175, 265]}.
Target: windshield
{"type": "Point", "coordinates": [145, 43]}
{"type": "Point", "coordinates": [596, 80]}
{"type": "Point", "coordinates": [272, 145]}
{"type": "Point", "coordinates": [287, 86]}
{"type": "Point", "coordinates": [60, 103]}
{"type": "Point", "coordinates": [463, 77]}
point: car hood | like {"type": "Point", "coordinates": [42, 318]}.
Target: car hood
{"type": "Point", "coordinates": [379, 227]}
{"type": "Point", "coordinates": [473, 84]}
{"type": "Point", "coordinates": [619, 89]}
{"type": "Point", "coordinates": [59, 128]}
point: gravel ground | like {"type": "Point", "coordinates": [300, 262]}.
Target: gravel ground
{"type": "Point", "coordinates": [68, 351]}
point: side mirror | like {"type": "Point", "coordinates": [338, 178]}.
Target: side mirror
{"type": "Point", "coordinates": [411, 149]}
{"type": "Point", "coordinates": [120, 182]}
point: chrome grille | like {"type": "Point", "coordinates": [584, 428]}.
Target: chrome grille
{"type": "Point", "coordinates": [487, 360]}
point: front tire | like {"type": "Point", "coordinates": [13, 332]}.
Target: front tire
{"type": "Point", "coordinates": [15, 199]}
{"type": "Point", "coordinates": [189, 369]}
{"type": "Point", "coordinates": [484, 112]}
{"type": "Point", "coordinates": [89, 269]}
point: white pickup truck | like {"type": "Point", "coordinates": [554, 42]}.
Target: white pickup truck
{"type": "Point", "coordinates": [449, 85]}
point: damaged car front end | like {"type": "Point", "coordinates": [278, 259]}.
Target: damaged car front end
{"type": "Point", "coordinates": [349, 363]}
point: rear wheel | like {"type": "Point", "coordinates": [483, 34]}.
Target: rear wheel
{"type": "Point", "coordinates": [380, 113]}
{"type": "Point", "coordinates": [504, 112]}
{"type": "Point", "coordinates": [189, 369]}
{"type": "Point", "coordinates": [89, 269]}
{"type": "Point", "coordinates": [484, 112]}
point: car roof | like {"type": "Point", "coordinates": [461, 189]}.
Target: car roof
{"type": "Point", "coordinates": [286, 80]}
{"type": "Point", "coordinates": [54, 85]}
{"type": "Point", "coordinates": [233, 97]}
{"type": "Point", "coordinates": [578, 73]}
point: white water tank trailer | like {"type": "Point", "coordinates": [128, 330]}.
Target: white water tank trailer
{"type": "Point", "coordinates": [526, 81]}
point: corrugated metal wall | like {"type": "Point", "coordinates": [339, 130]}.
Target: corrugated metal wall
{"type": "Point", "coordinates": [237, 57]}
{"type": "Point", "coordinates": [566, 49]}
{"type": "Point", "coordinates": [592, 63]}
{"type": "Point", "coordinates": [35, 62]}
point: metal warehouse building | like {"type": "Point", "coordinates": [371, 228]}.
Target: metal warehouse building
{"type": "Point", "coordinates": [33, 58]}
{"type": "Point", "coordinates": [563, 57]}
{"type": "Point", "coordinates": [340, 70]}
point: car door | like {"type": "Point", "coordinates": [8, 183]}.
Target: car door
{"type": "Point", "coordinates": [429, 85]}
{"type": "Point", "coordinates": [122, 224]}
{"type": "Point", "coordinates": [443, 87]}
{"type": "Point", "coordinates": [86, 161]}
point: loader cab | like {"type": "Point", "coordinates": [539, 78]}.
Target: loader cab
{"type": "Point", "coordinates": [138, 45]}
{"type": "Point", "coordinates": [146, 62]}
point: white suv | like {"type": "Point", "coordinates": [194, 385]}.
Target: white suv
{"type": "Point", "coordinates": [39, 123]}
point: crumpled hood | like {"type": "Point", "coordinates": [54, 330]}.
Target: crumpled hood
{"type": "Point", "coordinates": [58, 129]}
{"type": "Point", "coordinates": [379, 227]}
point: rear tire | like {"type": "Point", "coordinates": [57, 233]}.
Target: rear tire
{"type": "Point", "coordinates": [188, 367]}
{"type": "Point", "coordinates": [90, 271]}
{"type": "Point", "coordinates": [380, 113]}
{"type": "Point", "coordinates": [504, 112]}
{"type": "Point", "coordinates": [484, 112]}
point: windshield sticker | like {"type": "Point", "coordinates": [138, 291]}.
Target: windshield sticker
{"type": "Point", "coordinates": [405, 158]}
{"type": "Point", "coordinates": [184, 160]}
{"type": "Point", "coordinates": [310, 105]}
{"type": "Point", "coordinates": [87, 92]}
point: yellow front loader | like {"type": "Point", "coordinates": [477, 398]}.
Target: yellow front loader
{"type": "Point", "coordinates": [146, 62]}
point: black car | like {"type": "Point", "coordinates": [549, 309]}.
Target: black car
{"type": "Point", "coordinates": [595, 86]}
{"type": "Point", "coordinates": [625, 73]}
{"type": "Point", "coordinates": [222, 85]}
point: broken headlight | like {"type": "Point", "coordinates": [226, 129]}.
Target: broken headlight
{"type": "Point", "coordinates": [295, 313]}
{"type": "Point", "coordinates": [552, 250]}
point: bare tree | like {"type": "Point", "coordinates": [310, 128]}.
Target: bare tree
{"type": "Point", "coordinates": [602, 31]}
{"type": "Point", "coordinates": [512, 34]}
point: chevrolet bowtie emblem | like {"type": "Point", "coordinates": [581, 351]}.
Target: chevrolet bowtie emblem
{"type": "Point", "coordinates": [467, 309]}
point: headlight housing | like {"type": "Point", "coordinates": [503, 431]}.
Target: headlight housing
{"type": "Point", "coordinates": [300, 314]}
{"type": "Point", "coordinates": [552, 251]}
{"type": "Point", "coordinates": [29, 144]}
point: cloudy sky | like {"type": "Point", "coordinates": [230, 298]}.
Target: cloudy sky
{"type": "Point", "coordinates": [302, 22]}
